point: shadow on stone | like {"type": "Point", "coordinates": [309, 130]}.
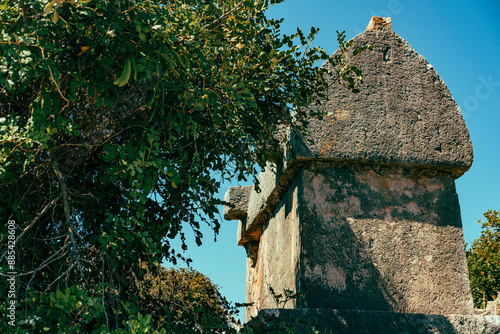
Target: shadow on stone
{"type": "Point", "coordinates": [377, 322]}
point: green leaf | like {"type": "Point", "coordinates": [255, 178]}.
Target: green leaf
{"type": "Point", "coordinates": [48, 7]}
{"type": "Point", "coordinates": [55, 17]}
{"type": "Point", "coordinates": [128, 237]}
{"type": "Point", "coordinates": [125, 76]}
{"type": "Point", "coordinates": [146, 320]}
{"type": "Point", "coordinates": [141, 106]}
{"type": "Point", "coordinates": [110, 156]}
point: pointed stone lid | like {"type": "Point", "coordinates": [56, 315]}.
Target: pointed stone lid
{"type": "Point", "coordinates": [404, 113]}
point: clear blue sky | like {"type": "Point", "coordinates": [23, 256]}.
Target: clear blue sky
{"type": "Point", "coordinates": [461, 39]}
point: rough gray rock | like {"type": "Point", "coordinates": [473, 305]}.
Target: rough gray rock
{"type": "Point", "coordinates": [237, 199]}
{"type": "Point", "coordinates": [387, 239]}
{"type": "Point", "coordinates": [403, 114]}
{"type": "Point", "coordinates": [367, 217]}
{"type": "Point", "coordinates": [377, 322]}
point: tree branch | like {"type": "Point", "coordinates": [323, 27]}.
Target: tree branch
{"type": "Point", "coordinates": [64, 192]}
{"type": "Point", "coordinates": [55, 83]}
{"type": "Point", "coordinates": [33, 222]}
{"type": "Point", "coordinates": [224, 15]}
{"type": "Point", "coordinates": [58, 89]}
{"type": "Point", "coordinates": [46, 263]}
{"type": "Point", "coordinates": [59, 277]}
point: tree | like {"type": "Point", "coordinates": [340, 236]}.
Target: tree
{"type": "Point", "coordinates": [176, 300]}
{"type": "Point", "coordinates": [116, 114]}
{"type": "Point", "coordinates": [185, 301]}
{"type": "Point", "coordinates": [483, 259]}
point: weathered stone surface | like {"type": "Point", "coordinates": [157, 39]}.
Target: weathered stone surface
{"type": "Point", "coordinates": [273, 183]}
{"type": "Point", "coordinates": [376, 322]}
{"type": "Point", "coordinates": [249, 205]}
{"type": "Point", "coordinates": [388, 239]}
{"type": "Point", "coordinates": [355, 236]}
{"type": "Point", "coordinates": [238, 197]}
{"type": "Point", "coordinates": [493, 307]}
{"type": "Point", "coordinates": [277, 262]}
{"type": "Point", "coordinates": [268, 179]}
{"type": "Point", "coordinates": [379, 23]}
{"type": "Point", "coordinates": [367, 217]}
{"type": "Point", "coordinates": [403, 114]}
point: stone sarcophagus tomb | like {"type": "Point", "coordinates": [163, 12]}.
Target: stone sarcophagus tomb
{"type": "Point", "coordinates": [367, 217]}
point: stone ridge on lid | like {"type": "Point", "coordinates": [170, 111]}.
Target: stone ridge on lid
{"type": "Point", "coordinates": [404, 114]}
{"type": "Point", "coordinates": [379, 23]}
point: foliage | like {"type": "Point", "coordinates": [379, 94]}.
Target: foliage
{"type": "Point", "coordinates": [483, 259]}
{"type": "Point", "coordinates": [176, 301]}
{"type": "Point", "coordinates": [116, 114]}
{"type": "Point", "coordinates": [184, 301]}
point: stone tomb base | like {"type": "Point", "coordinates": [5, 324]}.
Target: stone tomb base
{"type": "Point", "coordinates": [377, 322]}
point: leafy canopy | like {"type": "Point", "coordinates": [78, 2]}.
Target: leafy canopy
{"type": "Point", "coordinates": [184, 301]}
{"type": "Point", "coordinates": [115, 115]}
{"type": "Point", "coordinates": [483, 259]}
